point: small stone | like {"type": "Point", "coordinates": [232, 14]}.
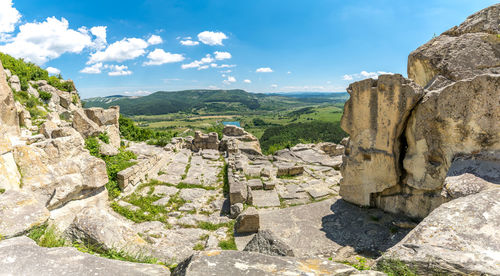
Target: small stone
{"type": "Point", "coordinates": [248, 221]}
{"type": "Point", "coordinates": [263, 198]}
{"type": "Point", "coordinates": [268, 185]}
{"type": "Point", "coordinates": [236, 209]}
{"type": "Point", "coordinates": [255, 184]}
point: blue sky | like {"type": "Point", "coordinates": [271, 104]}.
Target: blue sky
{"type": "Point", "coordinates": [139, 47]}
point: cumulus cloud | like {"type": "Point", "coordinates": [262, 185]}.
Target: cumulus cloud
{"type": "Point", "coordinates": [222, 55]}
{"type": "Point", "coordinates": [42, 41]}
{"type": "Point", "coordinates": [100, 33]}
{"type": "Point", "coordinates": [274, 86]}
{"type": "Point", "coordinates": [159, 57]}
{"type": "Point", "coordinates": [125, 49]}
{"type": "Point", "coordinates": [364, 75]}
{"type": "Point", "coordinates": [155, 39]}
{"type": "Point", "coordinates": [137, 93]}
{"type": "Point", "coordinates": [118, 70]}
{"type": "Point", "coordinates": [9, 16]}
{"type": "Point", "coordinates": [229, 80]}
{"type": "Point", "coordinates": [200, 64]}
{"type": "Point", "coordinates": [211, 38]}
{"type": "Point", "coordinates": [93, 69]}
{"type": "Point", "coordinates": [189, 42]}
{"type": "Point", "coordinates": [247, 81]}
{"type": "Point", "coordinates": [53, 71]}
{"type": "Point", "coordinates": [264, 70]}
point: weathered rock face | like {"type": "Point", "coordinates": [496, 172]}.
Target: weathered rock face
{"type": "Point", "coordinates": [59, 170]}
{"type": "Point", "coordinates": [250, 263]}
{"type": "Point", "coordinates": [375, 117]}
{"type": "Point", "coordinates": [471, 49]}
{"type": "Point", "coordinates": [266, 242]}
{"type": "Point", "coordinates": [398, 158]}
{"type": "Point", "coordinates": [19, 212]}
{"type": "Point", "coordinates": [459, 238]}
{"type": "Point", "coordinates": [84, 125]}
{"type": "Point", "coordinates": [24, 257]}
{"type": "Point", "coordinates": [461, 118]}
{"type": "Point", "coordinates": [103, 117]}
{"type": "Point", "coordinates": [9, 122]}
{"type": "Point", "coordinates": [205, 141]}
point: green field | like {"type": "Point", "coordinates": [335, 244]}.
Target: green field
{"type": "Point", "coordinates": [185, 124]}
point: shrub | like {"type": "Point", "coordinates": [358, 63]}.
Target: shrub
{"type": "Point", "coordinates": [104, 137]}
{"type": "Point", "coordinates": [45, 95]}
{"type": "Point", "coordinates": [115, 164]}
{"type": "Point", "coordinates": [92, 145]}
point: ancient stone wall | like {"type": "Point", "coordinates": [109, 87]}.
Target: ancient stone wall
{"type": "Point", "coordinates": [145, 168]}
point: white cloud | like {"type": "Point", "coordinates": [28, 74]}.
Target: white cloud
{"type": "Point", "coordinates": [200, 64]}
{"type": "Point", "coordinates": [229, 80]}
{"type": "Point", "coordinates": [42, 41]}
{"type": "Point", "coordinates": [158, 57]}
{"type": "Point", "coordinates": [100, 33]}
{"type": "Point", "coordinates": [364, 74]}
{"type": "Point", "coordinates": [211, 38]}
{"type": "Point", "coordinates": [264, 70]}
{"type": "Point", "coordinates": [189, 42]}
{"type": "Point", "coordinates": [155, 39]}
{"type": "Point", "coordinates": [274, 86]}
{"type": "Point", "coordinates": [125, 49]}
{"type": "Point", "coordinates": [222, 55]}
{"type": "Point", "coordinates": [53, 71]}
{"type": "Point", "coordinates": [347, 77]}
{"type": "Point", "coordinates": [137, 93]}
{"type": "Point", "coordinates": [289, 72]}
{"type": "Point", "coordinates": [118, 70]}
{"type": "Point", "coordinates": [247, 81]}
{"type": "Point", "coordinates": [9, 16]}
{"type": "Point", "coordinates": [93, 69]}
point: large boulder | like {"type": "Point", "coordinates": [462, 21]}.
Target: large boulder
{"type": "Point", "coordinates": [458, 238]}
{"type": "Point", "coordinates": [85, 126]}
{"type": "Point", "coordinates": [60, 170]}
{"type": "Point", "coordinates": [102, 116]}
{"type": "Point", "coordinates": [375, 117]}
{"type": "Point", "coordinates": [237, 139]}
{"type": "Point", "coordinates": [251, 263]}
{"type": "Point", "coordinates": [19, 212]}
{"type": "Point", "coordinates": [104, 229]}
{"type": "Point", "coordinates": [465, 51]}
{"type": "Point", "coordinates": [21, 256]}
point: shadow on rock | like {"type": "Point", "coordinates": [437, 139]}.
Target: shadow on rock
{"type": "Point", "coordinates": [368, 231]}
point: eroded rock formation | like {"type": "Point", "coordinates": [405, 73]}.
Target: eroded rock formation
{"type": "Point", "coordinates": [406, 133]}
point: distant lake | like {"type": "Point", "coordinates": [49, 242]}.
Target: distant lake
{"type": "Point", "coordinates": [235, 123]}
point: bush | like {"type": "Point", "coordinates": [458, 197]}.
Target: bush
{"type": "Point", "coordinates": [92, 145]}
{"type": "Point", "coordinates": [130, 131]}
{"type": "Point", "coordinates": [115, 164]}
{"type": "Point", "coordinates": [104, 137]}
{"type": "Point", "coordinates": [45, 95]}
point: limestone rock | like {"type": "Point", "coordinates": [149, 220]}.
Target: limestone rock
{"type": "Point", "coordinates": [10, 178]}
{"type": "Point", "coordinates": [289, 170]}
{"type": "Point", "coordinates": [459, 119]}
{"type": "Point", "coordinates": [251, 263]}
{"type": "Point", "coordinates": [236, 138]}
{"type": "Point", "coordinates": [60, 170]}
{"type": "Point", "coordinates": [236, 210]}
{"type": "Point", "coordinates": [101, 228]}
{"type": "Point", "coordinates": [19, 212]}
{"type": "Point", "coordinates": [266, 242]}
{"type": "Point", "coordinates": [461, 52]}
{"type": "Point", "coordinates": [102, 116]}
{"type": "Point", "coordinates": [9, 121]}
{"type": "Point", "coordinates": [84, 125]}
{"type": "Point", "coordinates": [247, 221]}
{"type": "Point", "coordinates": [458, 238]}
{"type": "Point", "coordinates": [21, 256]}
{"type": "Point", "coordinates": [33, 91]}
{"type": "Point", "coordinates": [47, 128]}
{"type": "Point", "coordinates": [15, 83]}
{"type": "Point", "coordinates": [206, 141]}
{"type": "Point", "coordinates": [374, 117]}
{"type": "Point", "coordinates": [114, 135]}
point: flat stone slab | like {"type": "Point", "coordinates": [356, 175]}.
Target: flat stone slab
{"type": "Point", "coordinates": [265, 198]}
{"type": "Point", "coordinates": [318, 191]}
{"type": "Point", "coordinates": [325, 227]}
{"type": "Point", "coordinates": [164, 190]}
{"type": "Point", "coordinates": [22, 256]}
{"type": "Point", "coordinates": [229, 262]}
{"type": "Point", "coordinates": [19, 212]}
{"type": "Point", "coordinates": [255, 184]}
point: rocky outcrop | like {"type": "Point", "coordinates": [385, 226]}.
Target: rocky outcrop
{"type": "Point", "coordinates": [266, 242]}
{"type": "Point", "coordinates": [374, 117]}
{"type": "Point", "coordinates": [236, 138]}
{"type": "Point", "coordinates": [462, 52]}
{"type": "Point", "coordinates": [85, 126]}
{"type": "Point", "coordinates": [398, 158]}
{"type": "Point", "coordinates": [24, 257]}
{"type": "Point", "coordinates": [103, 117]}
{"type": "Point", "coordinates": [458, 238]}
{"type": "Point", "coordinates": [9, 122]}
{"type": "Point", "coordinates": [251, 263]}
{"type": "Point", "coordinates": [205, 141]}
{"type": "Point", "coordinates": [19, 212]}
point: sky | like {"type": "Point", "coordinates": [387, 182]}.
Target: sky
{"type": "Point", "coordinates": [139, 47]}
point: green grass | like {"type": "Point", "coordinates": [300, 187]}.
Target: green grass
{"type": "Point", "coordinates": [186, 170]}
{"type": "Point", "coordinates": [114, 254]}
{"type": "Point", "coordinates": [2, 190]}
{"type": "Point", "coordinates": [211, 226]}
{"type": "Point", "coordinates": [395, 268]}
{"type": "Point", "coordinates": [198, 247]}
{"type": "Point", "coordinates": [46, 236]}
{"type": "Point", "coordinates": [229, 243]}
{"type": "Point", "coordinates": [104, 137]}
{"type": "Point", "coordinates": [359, 265]}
